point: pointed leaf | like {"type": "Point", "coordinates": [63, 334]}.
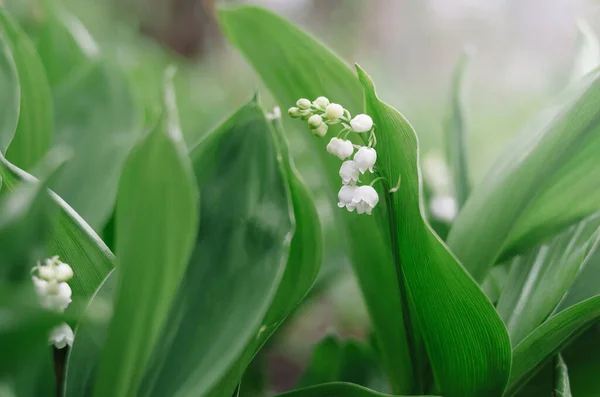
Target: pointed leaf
{"type": "Point", "coordinates": [10, 99]}
{"type": "Point", "coordinates": [587, 57]}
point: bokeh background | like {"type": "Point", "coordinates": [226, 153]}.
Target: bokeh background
{"type": "Point", "coordinates": [521, 55]}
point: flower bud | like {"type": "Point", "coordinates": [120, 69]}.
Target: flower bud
{"type": "Point", "coordinates": [47, 272]}
{"type": "Point", "coordinates": [321, 102]}
{"type": "Point", "coordinates": [334, 111]}
{"type": "Point", "coordinates": [315, 121]}
{"type": "Point", "coordinates": [361, 123]}
{"type": "Point", "coordinates": [321, 131]}
{"type": "Point", "coordinates": [303, 103]}
{"type": "Point", "coordinates": [294, 112]}
{"type": "Point", "coordinates": [365, 159]}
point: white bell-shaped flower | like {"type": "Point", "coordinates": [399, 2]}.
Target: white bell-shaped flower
{"type": "Point", "coordinates": [61, 336]}
{"type": "Point", "coordinates": [63, 272]}
{"type": "Point", "coordinates": [303, 103]}
{"type": "Point", "coordinates": [334, 111]}
{"type": "Point", "coordinates": [365, 199]}
{"type": "Point", "coordinates": [47, 272]}
{"type": "Point", "coordinates": [365, 159]}
{"type": "Point", "coordinates": [321, 102]}
{"type": "Point", "coordinates": [349, 173]}
{"type": "Point", "coordinates": [315, 121]}
{"type": "Point", "coordinates": [52, 295]}
{"type": "Point", "coordinates": [340, 148]}
{"type": "Point", "coordinates": [443, 207]}
{"type": "Point", "coordinates": [361, 123]}
{"type": "Point", "coordinates": [345, 196]}
{"type": "Point", "coordinates": [320, 131]}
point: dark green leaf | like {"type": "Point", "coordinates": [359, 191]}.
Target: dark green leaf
{"type": "Point", "coordinates": [336, 389]}
{"type": "Point", "coordinates": [539, 279]}
{"type": "Point", "coordinates": [156, 223]}
{"type": "Point", "coordinates": [325, 364]}
{"type": "Point", "coordinates": [33, 136]}
{"type": "Point", "coordinates": [296, 65]}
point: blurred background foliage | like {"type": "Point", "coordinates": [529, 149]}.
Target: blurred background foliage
{"type": "Point", "coordinates": [522, 55]}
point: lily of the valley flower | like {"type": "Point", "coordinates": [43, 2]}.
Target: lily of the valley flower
{"type": "Point", "coordinates": [315, 121]}
{"type": "Point", "coordinates": [365, 199]}
{"type": "Point", "coordinates": [361, 123]}
{"type": "Point", "coordinates": [61, 336]}
{"type": "Point", "coordinates": [349, 173]}
{"type": "Point", "coordinates": [303, 103]}
{"type": "Point", "coordinates": [51, 294]}
{"type": "Point", "coordinates": [321, 102]}
{"type": "Point", "coordinates": [345, 196]}
{"type": "Point", "coordinates": [334, 111]}
{"type": "Point", "coordinates": [340, 148]}
{"type": "Point", "coordinates": [365, 159]}
{"type": "Point", "coordinates": [320, 131]}
{"type": "Point", "coordinates": [443, 207]}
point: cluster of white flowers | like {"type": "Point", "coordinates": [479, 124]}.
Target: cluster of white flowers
{"type": "Point", "coordinates": [50, 282]}
{"type": "Point", "coordinates": [320, 114]}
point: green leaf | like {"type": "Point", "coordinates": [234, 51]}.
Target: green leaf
{"type": "Point", "coordinates": [583, 362]}
{"type": "Point", "coordinates": [542, 184]}
{"type": "Point", "coordinates": [549, 339]}
{"type": "Point", "coordinates": [539, 279]}
{"type": "Point", "coordinates": [465, 338]}
{"type": "Point", "coordinates": [10, 99]}
{"type": "Point", "coordinates": [562, 386]}
{"type": "Point", "coordinates": [585, 285]}
{"type": "Point", "coordinates": [156, 223]}
{"type": "Point", "coordinates": [296, 65]}
{"type": "Point", "coordinates": [325, 364]}
{"type": "Point", "coordinates": [33, 136]}
{"type": "Point", "coordinates": [587, 57]}
{"type": "Point", "coordinates": [337, 389]}
{"type": "Point", "coordinates": [70, 238]}
{"type": "Point", "coordinates": [302, 267]}
{"type": "Point", "coordinates": [456, 146]}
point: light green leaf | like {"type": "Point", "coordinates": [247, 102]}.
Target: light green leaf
{"type": "Point", "coordinates": [562, 386]}
{"type": "Point", "coordinates": [456, 146]}
{"type": "Point", "coordinates": [465, 338]}
{"type": "Point", "coordinates": [296, 65]}
{"type": "Point", "coordinates": [33, 136]}
{"type": "Point", "coordinates": [542, 183]}
{"type": "Point", "coordinates": [70, 238]}
{"type": "Point", "coordinates": [337, 389]}
{"type": "Point", "coordinates": [156, 224]}
{"type": "Point", "coordinates": [586, 285]}
{"type": "Point", "coordinates": [302, 267]}
{"type": "Point", "coordinates": [587, 57]}
{"type": "Point", "coordinates": [539, 279]}
{"type": "Point", "coordinates": [10, 98]}
{"type": "Point", "coordinates": [549, 339]}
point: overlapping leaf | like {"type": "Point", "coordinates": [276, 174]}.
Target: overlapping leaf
{"type": "Point", "coordinates": [10, 99]}
{"type": "Point", "coordinates": [338, 389]}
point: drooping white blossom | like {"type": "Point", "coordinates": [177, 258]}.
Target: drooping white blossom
{"type": "Point", "coordinates": [303, 103]}
{"type": "Point", "coordinates": [321, 131]}
{"type": "Point", "coordinates": [334, 111]}
{"type": "Point", "coordinates": [61, 336]}
{"type": "Point", "coordinates": [365, 159]}
{"type": "Point", "coordinates": [365, 199]}
{"type": "Point", "coordinates": [340, 148]}
{"type": "Point", "coordinates": [345, 196]}
{"type": "Point", "coordinates": [361, 123]}
{"type": "Point", "coordinates": [349, 173]}
{"type": "Point", "coordinates": [321, 102]}
{"type": "Point", "coordinates": [52, 295]}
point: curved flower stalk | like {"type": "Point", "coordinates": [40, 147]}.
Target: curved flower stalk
{"type": "Point", "coordinates": [50, 282]}
{"type": "Point", "coordinates": [320, 114]}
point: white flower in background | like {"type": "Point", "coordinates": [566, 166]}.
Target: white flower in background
{"type": "Point", "coordinates": [321, 102]}
{"type": "Point", "coordinates": [437, 173]}
{"type": "Point", "coordinates": [349, 173]}
{"type": "Point", "coordinates": [345, 196]}
{"type": "Point", "coordinates": [365, 159]}
{"type": "Point", "coordinates": [303, 104]}
{"type": "Point", "coordinates": [61, 336]}
{"type": "Point", "coordinates": [294, 112]}
{"type": "Point", "coordinates": [321, 131]}
{"type": "Point", "coordinates": [340, 148]}
{"type": "Point", "coordinates": [315, 121]}
{"type": "Point", "coordinates": [361, 123]}
{"type": "Point", "coordinates": [51, 294]}
{"type": "Point", "coordinates": [443, 208]}
{"type": "Point", "coordinates": [275, 114]}
{"type": "Point", "coordinates": [334, 111]}
{"type": "Point", "coordinates": [365, 199]}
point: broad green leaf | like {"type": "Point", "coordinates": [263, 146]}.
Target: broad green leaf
{"type": "Point", "coordinates": [562, 386]}
{"type": "Point", "coordinates": [456, 146]}
{"type": "Point", "coordinates": [34, 135]}
{"type": "Point", "coordinates": [549, 339]}
{"type": "Point", "coordinates": [156, 224]}
{"type": "Point", "coordinates": [10, 99]}
{"type": "Point", "coordinates": [587, 57]}
{"type": "Point", "coordinates": [68, 237]}
{"type": "Point", "coordinates": [296, 65]}
{"type": "Point", "coordinates": [539, 279]}
{"type": "Point", "coordinates": [301, 270]}
{"type": "Point", "coordinates": [465, 338]}
{"type": "Point", "coordinates": [246, 223]}
{"type": "Point", "coordinates": [541, 184]}
{"type": "Point", "coordinates": [337, 389]}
